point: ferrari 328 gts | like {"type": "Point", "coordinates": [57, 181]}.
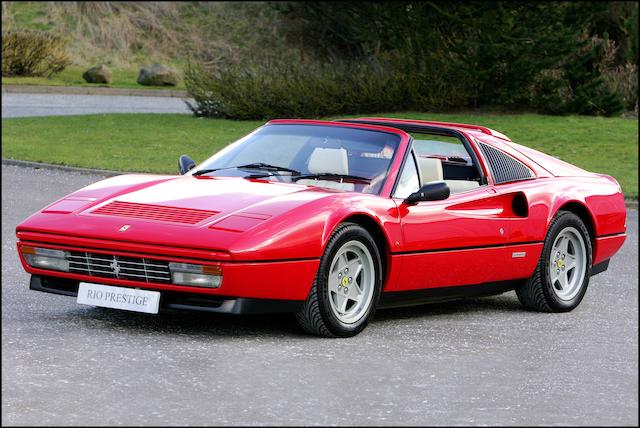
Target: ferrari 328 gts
{"type": "Point", "coordinates": [331, 220]}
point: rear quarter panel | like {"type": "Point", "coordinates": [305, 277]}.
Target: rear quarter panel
{"type": "Point", "coordinates": [601, 198]}
{"type": "Point", "coordinates": [560, 183]}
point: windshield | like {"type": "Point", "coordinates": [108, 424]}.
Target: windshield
{"type": "Point", "coordinates": [341, 158]}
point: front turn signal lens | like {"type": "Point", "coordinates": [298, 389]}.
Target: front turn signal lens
{"type": "Point", "coordinates": [46, 258]}
{"type": "Point", "coordinates": [196, 275]}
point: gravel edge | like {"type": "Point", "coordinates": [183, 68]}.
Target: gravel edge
{"type": "Point", "coordinates": [88, 90]}
{"type": "Point", "coordinates": [41, 165]}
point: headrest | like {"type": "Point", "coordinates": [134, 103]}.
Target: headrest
{"type": "Point", "coordinates": [430, 169]}
{"type": "Point", "coordinates": [333, 161]}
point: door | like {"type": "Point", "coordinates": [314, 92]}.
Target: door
{"type": "Point", "coordinates": [458, 241]}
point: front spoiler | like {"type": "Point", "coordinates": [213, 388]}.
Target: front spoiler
{"type": "Point", "coordinates": [182, 300]}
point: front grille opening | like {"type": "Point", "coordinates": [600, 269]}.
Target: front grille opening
{"type": "Point", "coordinates": [119, 267]}
{"type": "Point", "coordinates": [63, 284]}
{"type": "Point", "coordinates": [170, 298]}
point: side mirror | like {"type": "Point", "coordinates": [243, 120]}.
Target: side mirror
{"type": "Point", "coordinates": [435, 191]}
{"type": "Point", "coordinates": [185, 164]}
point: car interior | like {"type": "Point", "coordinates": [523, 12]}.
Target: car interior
{"type": "Point", "coordinates": [332, 161]}
{"type": "Point", "coordinates": [436, 158]}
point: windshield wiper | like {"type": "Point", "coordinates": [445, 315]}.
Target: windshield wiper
{"type": "Point", "coordinates": [206, 171]}
{"type": "Point", "coordinates": [332, 176]}
{"type": "Point", "coordinates": [269, 167]}
{"type": "Point", "coordinates": [256, 165]}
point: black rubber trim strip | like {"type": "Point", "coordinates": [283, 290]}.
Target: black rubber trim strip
{"type": "Point", "coordinates": [441, 294]}
{"type": "Point", "coordinates": [478, 247]}
{"type": "Point", "coordinates": [600, 267]}
{"type": "Point", "coordinates": [182, 300]}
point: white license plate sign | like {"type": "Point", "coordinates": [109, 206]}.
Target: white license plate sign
{"type": "Point", "coordinates": [129, 299]}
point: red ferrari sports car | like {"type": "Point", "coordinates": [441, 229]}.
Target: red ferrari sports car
{"type": "Point", "coordinates": [331, 220]}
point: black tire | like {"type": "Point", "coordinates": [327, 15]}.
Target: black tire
{"type": "Point", "coordinates": [538, 293]}
{"type": "Point", "coordinates": [316, 316]}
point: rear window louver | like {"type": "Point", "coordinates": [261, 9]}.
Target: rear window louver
{"type": "Point", "coordinates": [504, 167]}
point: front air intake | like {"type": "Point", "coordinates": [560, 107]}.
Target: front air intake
{"type": "Point", "coordinates": [119, 267]}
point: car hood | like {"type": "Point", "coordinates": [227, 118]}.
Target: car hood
{"type": "Point", "coordinates": [196, 212]}
{"type": "Point", "coordinates": [220, 196]}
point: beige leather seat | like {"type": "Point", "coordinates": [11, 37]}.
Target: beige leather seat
{"type": "Point", "coordinates": [333, 161]}
{"type": "Point", "coordinates": [431, 170]}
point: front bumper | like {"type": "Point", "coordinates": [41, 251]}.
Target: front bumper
{"type": "Point", "coordinates": [181, 300]}
{"type": "Point", "coordinates": [287, 280]}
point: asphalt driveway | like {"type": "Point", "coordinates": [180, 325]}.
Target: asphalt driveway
{"type": "Point", "coordinates": [475, 362]}
{"type": "Point", "coordinates": [21, 105]}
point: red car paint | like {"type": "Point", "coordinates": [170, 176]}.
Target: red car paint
{"type": "Point", "coordinates": [268, 237]}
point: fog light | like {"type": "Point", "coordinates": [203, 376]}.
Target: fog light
{"type": "Point", "coordinates": [46, 258]}
{"type": "Point", "coordinates": [195, 275]}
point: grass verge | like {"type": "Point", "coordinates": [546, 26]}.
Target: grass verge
{"type": "Point", "coordinates": [153, 142]}
{"type": "Point", "coordinates": [72, 76]}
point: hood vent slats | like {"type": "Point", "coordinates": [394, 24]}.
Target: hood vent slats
{"type": "Point", "coordinates": [154, 212]}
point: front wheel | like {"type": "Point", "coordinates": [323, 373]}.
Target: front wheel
{"type": "Point", "coordinates": [347, 286]}
{"type": "Point", "coordinates": [562, 275]}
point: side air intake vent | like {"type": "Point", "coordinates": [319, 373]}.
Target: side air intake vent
{"type": "Point", "coordinates": [504, 167]}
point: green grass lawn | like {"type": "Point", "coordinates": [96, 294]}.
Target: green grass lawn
{"type": "Point", "coordinates": [153, 142]}
{"type": "Point", "coordinates": [72, 76]}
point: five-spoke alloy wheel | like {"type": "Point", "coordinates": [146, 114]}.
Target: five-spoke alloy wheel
{"type": "Point", "coordinates": [567, 263]}
{"type": "Point", "coordinates": [562, 275]}
{"type": "Point", "coordinates": [347, 287]}
{"type": "Point", "coordinates": [351, 282]}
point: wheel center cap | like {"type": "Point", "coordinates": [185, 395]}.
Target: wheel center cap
{"type": "Point", "coordinates": [560, 263]}
{"type": "Point", "coordinates": [345, 281]}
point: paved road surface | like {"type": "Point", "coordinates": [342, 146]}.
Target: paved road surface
{"type": "Point", "coordinates": [476, 362]}
{"type": "Point", "coordinates": [20, 105]}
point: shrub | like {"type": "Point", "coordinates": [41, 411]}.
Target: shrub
{"type": "Point", "coordinates": [263, 91]}
{"type": "Point", "coordinates": [33, 53]}
{"type": "Point", "coordinates": [313, 89]}
{"type": "Point", "coordinates": [551, 92]}
{"type": "Point", "coordinates": [579, 84]}
{"type": "Point", "coordinates": [623, 80]}
{"type": "Point", "coordinates": [620, 79]}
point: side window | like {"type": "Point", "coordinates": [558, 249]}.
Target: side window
{"type": "Point", "coordinates": [445, 158]}
{"type": "Point", "coordinates": [409, 181]}
{"type": "Point", "coordinates": [439, 145]}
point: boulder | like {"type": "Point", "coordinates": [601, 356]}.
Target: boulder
{"type": "Point", "coordinates": [158, 75]}
{"type": "Point", "coordinates": [98, 74]}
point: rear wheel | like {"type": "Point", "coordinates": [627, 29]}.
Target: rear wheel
{"type": "Point", "coordinates": [562, 275]}
{"type": "Point", "coordinates": [347, 286]}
